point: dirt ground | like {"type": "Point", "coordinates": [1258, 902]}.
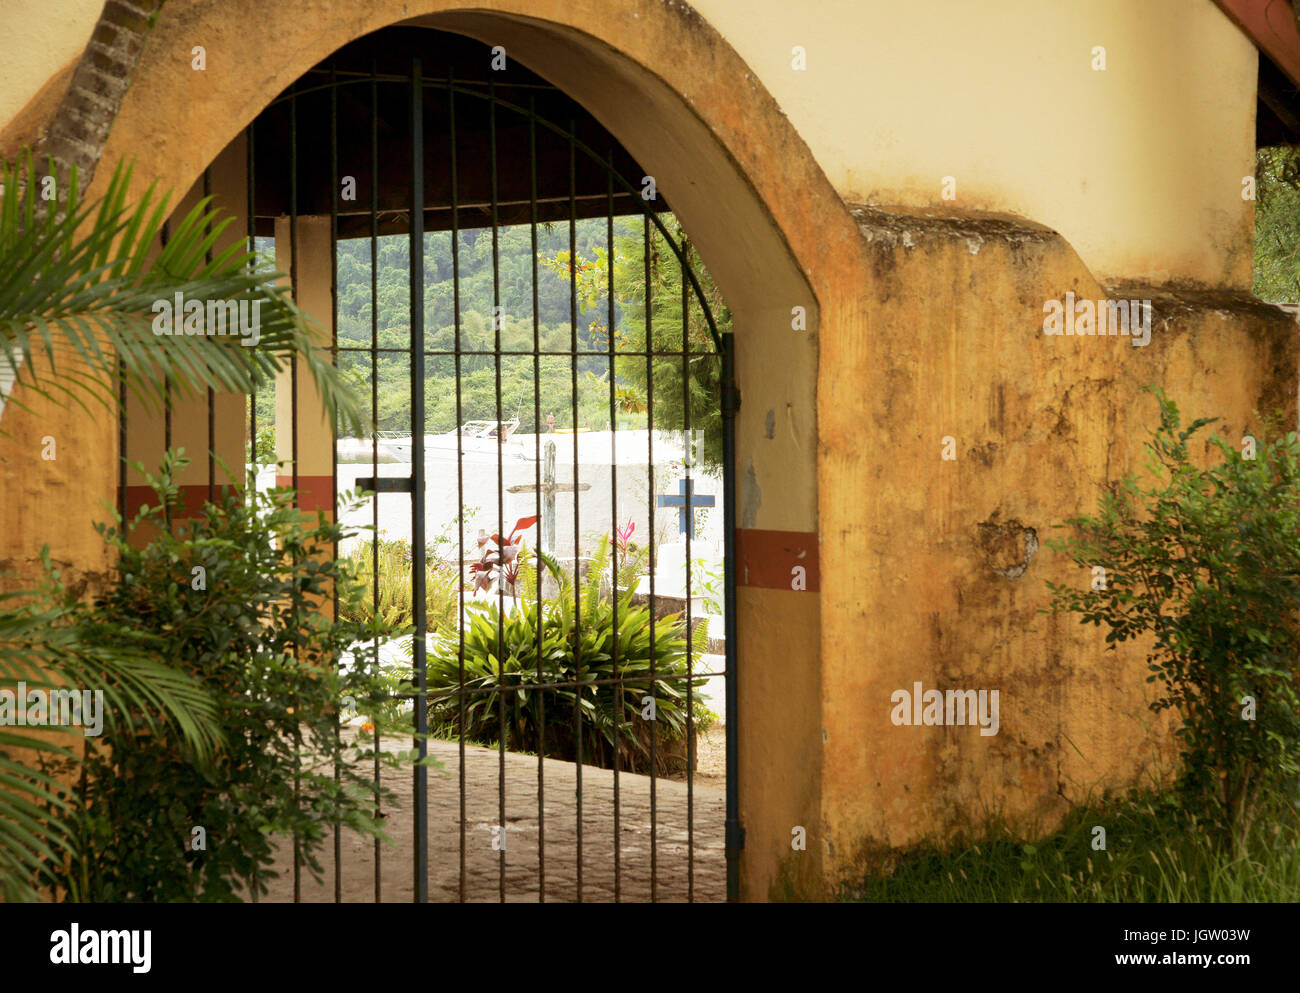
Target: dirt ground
{"type": "Point", "coordinates": [683, 850]}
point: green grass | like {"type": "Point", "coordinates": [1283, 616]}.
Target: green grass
{"type": "Point", "coordinates": [1155, 853]}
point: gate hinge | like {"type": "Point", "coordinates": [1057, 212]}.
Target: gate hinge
{"type": "Point", "coordinates": [735, 836]}
{"type": "Point", "coordinates": [730, 399]}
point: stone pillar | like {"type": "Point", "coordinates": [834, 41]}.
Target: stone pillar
{"type": "Point", "coordinates": [315, 435]}
{"type": "Point", "coordinates": [146, 427]}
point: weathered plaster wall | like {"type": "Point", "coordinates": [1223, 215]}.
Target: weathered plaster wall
{"type": "Point", "coordinates": [917, 329]}
{"type": "Point", "coordinates": [940, 566]}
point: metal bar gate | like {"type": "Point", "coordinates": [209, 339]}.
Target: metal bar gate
{"type": "Point", "coordinates": [700, 364]}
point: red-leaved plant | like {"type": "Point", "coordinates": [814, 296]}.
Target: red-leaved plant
{"type": "Point", "coordinates": [624, 536]}
{"type": "Point", "coordinates": [499, 560]}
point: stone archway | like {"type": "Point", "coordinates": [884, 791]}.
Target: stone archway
{"type": "Point", "coordinates": [765, 219]}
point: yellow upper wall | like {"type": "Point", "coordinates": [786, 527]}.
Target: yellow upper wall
{"type": "Point", "coordinates": [37, 39]}
{"type": "Point", "coordinates": [1139, 166]}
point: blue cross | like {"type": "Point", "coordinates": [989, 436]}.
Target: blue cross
{"type": "Point", "coordinates": [685, 502]}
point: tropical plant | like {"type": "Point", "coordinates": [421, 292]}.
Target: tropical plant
{"type": "Point", "coordinates": [230, 598]}
{"type": "Point", "coordinates": [603, 684]}
{"type": "Point", "coordinates": [77, 291]}
{"type": "Point", "coordinates": [441, 583]}
{"type": "Point", "coordinates": [1205, 562]}
{"type": "Point", "coordinates": [685, 387]}
{"type": "Point", "coordinates": [78, 287]}
{"type": "Point", "coordinates": [47, 645]}
{"type": "Point", "coordinates": [264, 452]}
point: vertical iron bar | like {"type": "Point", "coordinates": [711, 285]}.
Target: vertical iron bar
{"type": "Point", "coordinates": [418, 602]}
{"type": "Point", "coordinates": [577, 585]}
{"type": "Point", "coordinates": [690, 533]}
{"type": "Point", "coordinates": [251, 206]}
{"type": "Point", "coordinates": [497, 321]}
{"type": "Point", "coordinates": [334, 434]}
{"type": "Point", "coordinates": [293, 284]}
{"type": "Point", "coordinates": [730, 406]}
{"type": "Point", "coordinates": [121, 442]}
{"type": "Point", "coordinates": [537, 437]}
{"type": "Point", "coordinates": [646, 250]}
{"type": "Point", "coordinates": [164, 235]}
{"type": "Point", "coordinates": [251, 225]}
{"type": "Point", "coordinates": [460, 468]}
{"type": "Point", "coordinates": [212, 397]}
{"type": "Point", "coordinates": [374, 412]}
{"type": "Point", "coordinates": [293, 423]}
{"type": "Point", "coordinates": [617, 688]}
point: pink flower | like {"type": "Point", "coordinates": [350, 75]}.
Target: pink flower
{"type": "Point", "coordinates": [624, 535]}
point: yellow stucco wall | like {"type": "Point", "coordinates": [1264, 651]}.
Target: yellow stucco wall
{"type": "Point", "coordinates": [38, 38]}
{"type": "Point", "coordinates": [1139, 166]}
{"type": "Point", "coordinates": [940, 567]}
{"type": "Point", "coordinates": [919, 328]}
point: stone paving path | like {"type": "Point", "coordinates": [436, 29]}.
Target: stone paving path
{"type": "Point", "coordinates": [674, 876]}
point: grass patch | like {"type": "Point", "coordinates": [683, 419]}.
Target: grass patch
{"type": "Point", "coordinates": [1155, 853]}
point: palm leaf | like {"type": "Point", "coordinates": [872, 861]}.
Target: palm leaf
{"type": "Point", "coordinates": [44, 647]}
{"type": "Point", "coordinates": [78, 285]}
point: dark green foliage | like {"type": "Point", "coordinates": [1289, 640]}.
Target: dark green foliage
{"type": "Point", "coordinates": [502, 652]}
{"type": "Point", "coordinates": [44, 646]}
{"type": "Point", "coordinates": [442, 586]}
{"type": "Point", "coordinates": [1277, 224]}
{"type": "Point", "coordinates": [1205, 562]}
{"type": "Point", "coordinates": [677, 324]}
{"type": "Point", "coordinates": [248, 627]}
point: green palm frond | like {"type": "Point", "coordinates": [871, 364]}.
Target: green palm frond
{"type": "Point", "coordinates": [43, 646]}
{"type": "Point", "coordinates": [77, 287]}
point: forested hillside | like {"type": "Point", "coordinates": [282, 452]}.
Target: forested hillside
{"type": "Point", "coordinates": [522, 378]}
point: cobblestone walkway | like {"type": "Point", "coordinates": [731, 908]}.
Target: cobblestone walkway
{"type": "Point", "coordinates": [674, 876]}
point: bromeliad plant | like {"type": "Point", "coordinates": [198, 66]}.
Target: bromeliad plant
{"type": "Point", "coordinates": [572, 640]}
{"type": "Point", "coordinates": [623, 536]}
{"type": "Point", "coordinates": [591, 716]}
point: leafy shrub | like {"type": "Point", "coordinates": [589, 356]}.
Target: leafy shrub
{"type": "Point", "coordinates": [232, 597]}
{"type": "Point", "coordinates": [441, 584]}
{"type": "Point", "coordinates": [44, 646]}
{"type": "Point", "coordinates": [507, 652]}
{"type": "Point", "coordinates": [1206, 563]}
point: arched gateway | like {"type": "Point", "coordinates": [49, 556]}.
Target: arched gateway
{"type": "Point", "coordinates": [603, 132]}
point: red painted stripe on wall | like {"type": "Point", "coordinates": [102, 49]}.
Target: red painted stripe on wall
{"type": "Point", "coordinates": [314, 492]}
{"type": "Point", "coordinates": [778, 560]}
{"type": "Point", "coordinates": [192, 498]}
